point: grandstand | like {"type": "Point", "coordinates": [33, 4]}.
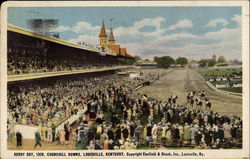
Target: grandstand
{"type": "Point", "coordinates": [38, 61]}
{"type": "Point", "coordinates": [31, 53]}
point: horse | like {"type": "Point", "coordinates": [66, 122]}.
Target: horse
{"type": "Point", "coordinates": [188, 98]}
{"type": "Point", "coordinates": [208, 105]}
{"type": "Point", "coordinates": [174, 99]}
{"type": "Point", "coordinates": [202, 94]}
{"type": "Point", "coordinates": [191, 102]}
{"type": "Point", "coordinates": [198, 103]}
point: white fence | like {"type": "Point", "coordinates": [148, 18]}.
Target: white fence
{"type": "Point", "coordinates": [28, 132]}
{"type": "Point", "coordinates": [134, 74]}
{"type": "Point", "coordinates": [227, 85]}
{"type": "Point", "coordinates": [72, 119]}
{"type": "Point", "coordinates": [217, 79]}
{"type": "Point", "coordinates": [224, 79]}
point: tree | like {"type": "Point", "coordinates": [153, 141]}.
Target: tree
{"type": "Point", "coordinates": [136, 59]}
{"type": "Point", "coordinates": [182, 61]}
{"type": "Point", "coordinates": [194, 61]}
{"type": "Point", "coordinates": [202, 63]}
{"type": "Point", "coordinates": [235, 62]}
{"type": "Point", "coordinates": [156, 59]}
{"type": "Point", "coordinates": [211, 63]}
{"type": "Point", "coordinates": [221, 59]}
{"type": "Point", "coordinates": [165, 61]}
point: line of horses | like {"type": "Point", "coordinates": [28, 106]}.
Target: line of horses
{"type": "Point", "coordinates": [196, 101]}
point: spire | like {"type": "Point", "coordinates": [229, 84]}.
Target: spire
{"type": "Point", "coordinates": [111, 36]}
{"type": "Point", "coordinates": [103, 32]}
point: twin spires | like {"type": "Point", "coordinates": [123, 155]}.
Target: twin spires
{"type": "Point", "coordinates": [103, 36]}
{"type": "Point", "coordinates": [109, 42]}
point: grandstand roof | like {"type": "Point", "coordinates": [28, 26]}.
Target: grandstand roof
{"type": "Point", "coordinates": [52, 39]}
{"type": "Point", "coordinates": [103, 32]}
{"type": "Point", "coordinates": [128, 55]}
{"type": "Point", "coordinates": [114, 48]}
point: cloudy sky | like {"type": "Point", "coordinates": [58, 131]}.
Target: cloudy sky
{"type": "Point", "coordinates": [192, 32]}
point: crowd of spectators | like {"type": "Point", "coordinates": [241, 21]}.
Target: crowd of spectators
{"type": "Point", "coordinates": [28, 62]}
{"type": "Point", "coordinates": [50, 101]}
{"type": "Point", "coordinates": [117, 117]}
{"type": "Point", "coordinates": [179, 126]}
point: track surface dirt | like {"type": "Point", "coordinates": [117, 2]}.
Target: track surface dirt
{"type": "Point", "coordinates": [182, 81]}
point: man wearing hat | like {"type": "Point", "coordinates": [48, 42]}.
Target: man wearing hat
{"type": "Point", "coordinates": [37, 139]}
{"type": "Point", "coordinates": [19, 138]}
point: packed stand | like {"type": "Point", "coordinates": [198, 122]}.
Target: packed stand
{"type": "Point", "coordinates": [28, 61]}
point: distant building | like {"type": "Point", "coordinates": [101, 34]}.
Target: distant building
{"type": "Point", "coordinates": [212, 59]}
{"type": "Point", "coordinates": [110, 43]}
{"type": "Point", "coordinates": [189, 60]}
{"type": "Point", "coordinates": [144, 64]}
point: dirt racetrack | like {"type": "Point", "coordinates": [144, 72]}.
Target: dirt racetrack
{"type": "Point", "coordinates": [181, 81]}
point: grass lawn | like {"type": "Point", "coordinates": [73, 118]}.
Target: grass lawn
{"type": "Point", "coordinates": [235, 90]}
{"type": "Point", "coordinates": [178, 148]}
{"type": "Point", "coordinates": [143, 147]}
{"type": "Point", "coordinates": [107, 116]}
{"type": "Point", "coordinates": [144, 119]}
{"type": "Point", "coordinates": [219, 82]}
{"type": "Point", "coordinates": [157, 118]}
{"type": "Point", "coordinates": [213, 73]}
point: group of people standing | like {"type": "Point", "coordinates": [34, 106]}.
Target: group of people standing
{"type": "Point", "coordinates": [179, 124]}
{"type": "Point", "coordinates": [47, 103]}
{"type": "Point", "coordinates": [117, 117]}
